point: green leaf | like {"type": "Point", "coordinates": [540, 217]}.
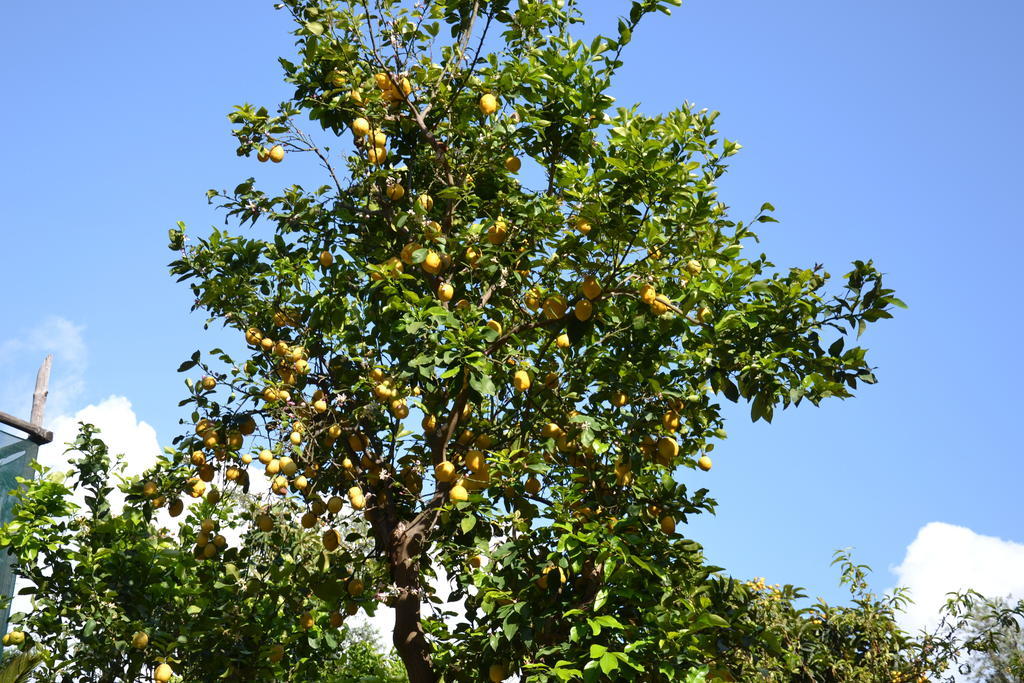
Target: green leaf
{"type": "Point", "coordinates": [482, 384]}
{"type": "Point", "coordinates": [708, 620]}
{"type": "Point", "coordinates": [18, 668]}
{"type": "Point", "coordinates": [609, 663]}
{"type": "Point", "coordinates": [609, 620]}
{"type": "Point", "coordinates": [730, 389]}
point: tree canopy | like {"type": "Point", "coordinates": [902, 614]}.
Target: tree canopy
{"type": "Point", "coordinates": [488, 354]}
{"type": "Point", "coordinates": [501, 330]}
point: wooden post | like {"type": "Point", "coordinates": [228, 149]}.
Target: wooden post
{"type": "Point", "coordinates": [34, 427]}
{"type": "Point", "coordinates": [41, 392]}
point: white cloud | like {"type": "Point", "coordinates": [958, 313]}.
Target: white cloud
{"type": "Point", "coordinates": [21, 356]}
{"type": "Point", "coordinates": [946, 558]}
{"type": "Point", "coordinates": [119, 427]}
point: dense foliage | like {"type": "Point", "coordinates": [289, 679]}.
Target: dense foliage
{"type": "Point", "coordinates": [113, 595]}
{"type": "Point", "coordinates": [501, 331]}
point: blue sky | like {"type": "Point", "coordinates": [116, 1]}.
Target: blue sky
{"type": "Point", "coordinates": [879, 130]}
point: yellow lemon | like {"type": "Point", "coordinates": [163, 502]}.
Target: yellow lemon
{"type": "Point", "coordinates": [554, 307]}
{"type": "Point", "coordinates": [583, 309]}
{"type": "Point", "coordinates": [667, 448]}
{"type": "Point", "coordinates": [361, 127]}
{"type": "Point", "coordinates": [475, 461]}
{"type": "Point", "coordinates": [521, 380]}
{"type": "Point", "coordinates": [444, 471]}
{"type": "Point", "coordinates": [648, 294]}
{"type": "Point", "coordinates": [395, 191]}
{"type": "Point", "coordinates": [399, 408]}
{"type": "Point", "coordinates": [488, 104]}
{"type": "Point", "coordinates": [432, 263]}
{"type": "Point", "coordinates": [497, 233]}
{"type": "Point", "coordinates": [408, 250]}
{"type": "Point", "coordinates": [458, 494]}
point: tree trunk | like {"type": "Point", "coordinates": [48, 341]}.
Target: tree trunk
{"type": "Point", "coordinates": [404, 543]}
{"type": "Point", "coordinates": [409, 638]}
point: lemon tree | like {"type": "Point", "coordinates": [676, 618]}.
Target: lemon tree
{"type": "Point", "coordinates": [501, 331]}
